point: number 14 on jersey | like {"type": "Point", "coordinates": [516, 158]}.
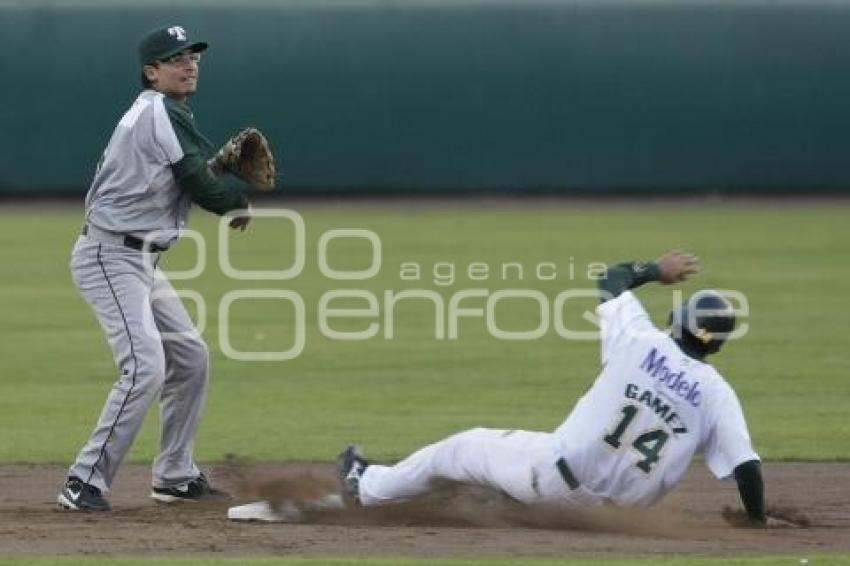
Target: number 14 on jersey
{"type": "Point", "coordinates": [648, 443]}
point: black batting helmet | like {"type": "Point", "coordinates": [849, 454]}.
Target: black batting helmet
{"type": "Point", "coordinates": [705, 320]}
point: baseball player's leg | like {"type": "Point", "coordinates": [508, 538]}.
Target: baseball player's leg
{"type": "Point", "coordinates": [184, 391]}
{"type": "Point", "coordinates": [519, 463]}
{"type": "Point", "coordinates": [116, 284]}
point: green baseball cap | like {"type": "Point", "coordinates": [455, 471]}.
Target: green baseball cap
{"type": "Point", "coordinates": [162, 43]}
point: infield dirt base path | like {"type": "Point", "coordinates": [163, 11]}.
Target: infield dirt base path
{"type": "Point", "coordinates": [455, 523]}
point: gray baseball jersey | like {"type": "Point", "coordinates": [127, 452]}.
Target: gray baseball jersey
{"type": "Point", "coordinates": [139, 187]}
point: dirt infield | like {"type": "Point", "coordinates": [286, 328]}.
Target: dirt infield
{"type": "Point", "coordinates": [456, 522]}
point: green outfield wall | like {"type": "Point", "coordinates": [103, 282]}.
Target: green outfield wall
{"type": "Point", "coordinates": [418, 96]}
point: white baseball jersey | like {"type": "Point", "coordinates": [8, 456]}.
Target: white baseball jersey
{"type": "Point", "coordinates": [632, 436]}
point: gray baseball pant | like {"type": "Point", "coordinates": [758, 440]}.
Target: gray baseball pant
{"type": "Point", "coordinates": [158, 352]}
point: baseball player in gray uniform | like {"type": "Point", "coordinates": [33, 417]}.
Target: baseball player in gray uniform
{"type": "Point", "coordinates": [628, 441]}
{"type": "Point", "coordinates": [154, 167]}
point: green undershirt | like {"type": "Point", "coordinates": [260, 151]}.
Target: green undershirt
{"type": "Point", "coordinates": [192, 172]}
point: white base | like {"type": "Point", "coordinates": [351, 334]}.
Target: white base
{"type": "Point", "coordinates": [263, 511]}
{"type": "Point", "coordinates": [287, 512]}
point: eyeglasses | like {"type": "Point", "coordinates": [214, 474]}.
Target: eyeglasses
{"type": "Point", "coordinates": [183, 59]}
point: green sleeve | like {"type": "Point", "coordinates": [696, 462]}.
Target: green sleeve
{"type": "Point", "coordinates": [192, 172]}
{"type": "Point", "coordinates": [624, 276]}
{"type": "Point", "coordinates": [751, 488]}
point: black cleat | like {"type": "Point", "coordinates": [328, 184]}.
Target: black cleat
{"type": "Point", "coordinates": [196, 490]}
{"type": "Point", "coordinates": [351, 464]}
{"type": "Point", "coordinates": [79, 496]}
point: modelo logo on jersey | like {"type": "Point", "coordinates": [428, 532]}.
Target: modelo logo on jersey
{"type": "Point", "coordinates": [656, 366]}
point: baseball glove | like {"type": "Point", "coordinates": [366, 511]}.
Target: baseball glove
{"type": "Point", "coordinates": [248, 156]}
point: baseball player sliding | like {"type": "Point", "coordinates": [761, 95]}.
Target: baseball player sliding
{"type": "Point", "coordinates": [154, 167]}
{"type": "Point", "coordinates": [629, 440]}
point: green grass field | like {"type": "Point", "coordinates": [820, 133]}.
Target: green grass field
{"type": "Point", "coordinates": [394, 395]}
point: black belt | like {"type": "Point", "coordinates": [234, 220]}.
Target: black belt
{"type": "Point", "coordinates": [566, 473]}
{"type": "Point", "coordinates": [134, 242]}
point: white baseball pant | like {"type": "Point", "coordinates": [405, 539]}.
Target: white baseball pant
{"type": "Point", "coordinates": [519, 463]}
